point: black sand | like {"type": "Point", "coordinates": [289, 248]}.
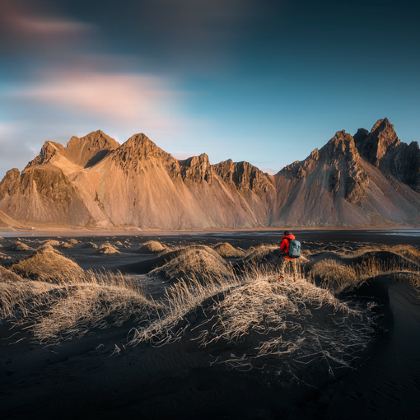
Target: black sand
{"type": "Point", "coordinates": [81, 379]}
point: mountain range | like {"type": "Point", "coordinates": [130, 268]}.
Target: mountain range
{"type": "Point", "coordinates": [369, 179]}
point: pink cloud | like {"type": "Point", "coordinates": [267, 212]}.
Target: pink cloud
{"type": "Point", "coordinates": [138, 100]}
{"type": "Point", "coordinates": [24, 22]}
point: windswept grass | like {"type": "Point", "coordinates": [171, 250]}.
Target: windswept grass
{"type": "Point", "coordinates": [261, 317]}
{"type": "Point", "coordinates": [153, 247]}
{"type": "Point", "coordinates": [195, 262]}
{"type": "Point", "coordinates": [339, 275]}
{"type": "Point", "coordinates": [55, 312]}
{"type": "Point", "coordinates": [108, 249]}
{"type": "Point", "coordinates": [47, 264]}
{"type": "Point", "coordinates": [226, 250]}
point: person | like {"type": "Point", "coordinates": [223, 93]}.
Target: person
{"type": "Point", "coordinates": [284, 250]}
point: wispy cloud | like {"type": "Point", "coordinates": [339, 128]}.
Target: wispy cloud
{"type": "Point", "coordinates": [22, 24]}
{"type": "Point", "coordinates": [125, 98]}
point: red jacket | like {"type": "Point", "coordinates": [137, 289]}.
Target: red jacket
{"type": "Point", "coordinates": [285, 243]}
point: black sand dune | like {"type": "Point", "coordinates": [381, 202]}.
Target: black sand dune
{"type": "Point", "coordinates": [176, 382]}
{"type": "Point", "coordinates": [99, 376]}
{"type": "Point", "coordinates": [388, 384]}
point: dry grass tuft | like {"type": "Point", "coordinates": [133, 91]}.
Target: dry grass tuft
{"type": "Point", "coordinates": [21, 246]}
{"type": "Point", "coordinates": [8, 275]}
{"type": "Point", "coordinates": [47, 264]}
{"type": "Point", "coordinates": [197, 262]}
{"type": "Point", "coordinates": [263, 255]}
{"type": "Point", "coordinates": [226, 250]}
{"type": "Point", "coordinates": [180, 299]}
{"type": "Point", "coordinates": [262, 317]}
{"type": "Point", "coordinates": [50, 243]}
{"type": "Point", "coordinates": [407, 251]}
{"type": "Point", "coordinates": [152, 247]}
{"type": "Point", "coordinates": [71, 243]}
{"type": "Point", "coordinates": [55, 312]}
{"type": "Point", "coordinates": [108, 249]}
{"type": "Point", "coordinates": [339, 275]}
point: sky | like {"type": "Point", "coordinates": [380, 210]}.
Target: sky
{"type": "Point", "coordinates": [258, 80]}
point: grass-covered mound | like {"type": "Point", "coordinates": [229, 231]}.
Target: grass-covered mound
{"type": "Point", "coordinates": [343, 272]}
{"type": "Point", "coordinates": [253, 320]}
{"type": "Point", "coordinates": [50, 242]}
{"type": "Point", "coordinates": [47, 264]}
{"type": "Point", "coordinates": [54, 312]}
{"type": "Point", "coordinates": [152, 247]}
{"type": "Point", "coordinates": [20, 246]}
{"type": "Point", "coordinates": [226, 250]}
{"type": "Point", "coordinates": [199, 262]}
{"type": "Point", "coordinates": [71, 243]}
{"type": "Point", "coordinates": [108, 249]}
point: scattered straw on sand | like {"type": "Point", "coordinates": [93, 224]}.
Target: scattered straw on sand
{"type": "Point", "coordinates": [226, 250]}
{"type": "Point", "coordinates": [152, 247]}
{"type": "Point", "coordinates": [47, 264]}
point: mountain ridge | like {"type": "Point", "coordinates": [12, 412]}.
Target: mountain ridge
{"type": "Point", "coordinates": [369, 179]}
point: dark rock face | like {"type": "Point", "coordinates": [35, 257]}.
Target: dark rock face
{"type": "Point", "coordinates": [196, 169]}
{"type": "Point", "coordinates": [244, 176]}
{"type": "Point", "coordinates": [10, 183]}
{"type": "Point", "coordinates": [381, 147]}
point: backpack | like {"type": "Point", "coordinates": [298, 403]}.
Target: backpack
{"type": "Point", "coordinates": [294, 248]}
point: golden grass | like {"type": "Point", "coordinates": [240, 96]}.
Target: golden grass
{"type": "Point", "coordinates": [108, 249]}
{"type": "Point", "coordinates": [226, 250]}
{"type": "Point", "coordinates": [51, 242]}
{"type": "Point", "coordinates": [410, 252]}
{"type": "Point", "coordinates": [338, 275]}
{"type": "Point", "coordinates": [199, 262]}
{"type": "Point", "coordinates": [21, 246]}
{"type": "Point", "coordinates": [55, 312]}
{"type": "Point", "coordinates": [47, 264]}
{"type": "Point", "coordinates": [152, 247]}
{"type": "Point", "coordinates": [71, 243]}
{"type": "Point", "coordinates": [277, 315]}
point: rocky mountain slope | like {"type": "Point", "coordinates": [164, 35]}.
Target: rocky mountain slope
{"type": "Point", "coordinates": [369, 179]}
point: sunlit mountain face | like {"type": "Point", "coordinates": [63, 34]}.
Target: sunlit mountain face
{"type": "Point", "coordinates": [371, 179]}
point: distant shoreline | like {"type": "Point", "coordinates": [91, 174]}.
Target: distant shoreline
{"type": "Point", "coordinates": [76, 231]}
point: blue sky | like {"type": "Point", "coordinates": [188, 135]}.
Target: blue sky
{"type": "Point", "coordinates": [262, 81]}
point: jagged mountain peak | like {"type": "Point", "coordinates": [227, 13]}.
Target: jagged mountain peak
{"type": "Point", "coordinates": [197, 168]}
{"type": "Point", "coordinates": [139, 148]}
{"type": "Point", "coordinates": [93, 138]}
{"type": "Point", "coordinates": [374, 145]}
{"type": "Point", "coordinates": [244, 176]}
{"type": "Point", "coordinates": [139, 184]}
{"type": "Point", "coordinates": [48, 150]}
{"type": "Point", "coordinates": [341, 145]}
{"type": "Point", "coordinates": [90, 149]}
